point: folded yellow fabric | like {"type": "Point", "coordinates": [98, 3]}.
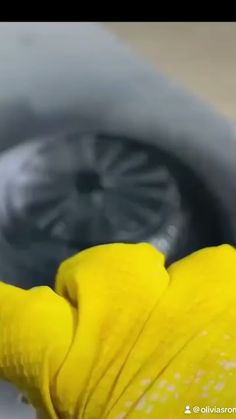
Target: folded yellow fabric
{"type": "Point", "coordinates": [122, 337]}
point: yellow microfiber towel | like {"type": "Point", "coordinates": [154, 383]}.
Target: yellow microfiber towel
{"type": "Point", "coordinates": [122, 337]}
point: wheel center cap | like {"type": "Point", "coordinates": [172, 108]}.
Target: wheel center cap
{"type": "Point", "coordinates": [88, 181]}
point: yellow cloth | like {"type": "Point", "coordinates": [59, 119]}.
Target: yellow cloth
{"type": "Point", "coordinates": [122, 337]}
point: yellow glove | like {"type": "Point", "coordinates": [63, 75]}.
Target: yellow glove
{"type": "Point", "coordinates": [121, 337]}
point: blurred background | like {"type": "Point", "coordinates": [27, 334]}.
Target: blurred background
{"type": "Point", "coordinates": [200, 55]}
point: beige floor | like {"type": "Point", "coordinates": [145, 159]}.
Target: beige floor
{"type": "Point", "coordinates": [202, 56]}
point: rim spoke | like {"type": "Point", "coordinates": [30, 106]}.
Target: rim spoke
{"type": "Point", "coordinates": [130, 211]}
{"type": "Point", "coordinates": [111, 155]}
{"type": "Point", "coordinates": [135, 162]}
{"type": "Point", "coordinates": [146, 197]}
{"type": "Point", "coordinates": [153, 176]}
